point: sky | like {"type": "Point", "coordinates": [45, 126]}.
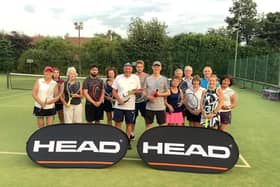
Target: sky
{"type": "Point", "coordinates": [57, 17]}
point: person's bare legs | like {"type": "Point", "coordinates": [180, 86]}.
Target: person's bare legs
{"type": "Point", "coordinates": [40, 122]}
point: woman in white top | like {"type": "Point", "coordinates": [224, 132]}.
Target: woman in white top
{"type": "Point", "coordinates": [194, 114]}
{"type": "Point", "coordinates": [230, 102]}
{"type": "Point", "coordinates": [45, 94]}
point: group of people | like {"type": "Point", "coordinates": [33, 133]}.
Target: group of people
{"type": "Point", "coordinates": [205, 102]}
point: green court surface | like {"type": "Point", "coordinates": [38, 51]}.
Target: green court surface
{"type": "Point", "coordinates": [256, 129]}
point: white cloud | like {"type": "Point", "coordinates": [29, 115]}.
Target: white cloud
{"type": "Point", "coordinates": [56, 17]}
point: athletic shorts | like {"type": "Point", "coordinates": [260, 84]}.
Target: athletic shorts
{"type": "Point", "coordinates": [127, 114]}
{"type": "Point", "coordinates": [39, 112]}
{"type": "Point", "coordinates": [94, 113]}
{"type": "Point", "coordinates": [225, 117]}
{"type": "Point", "coordinates": [192, 117]}
{"type": "Point", "coordinates": [175, 117]}
{"type": "Point", "coordinates": [58, 106]}
{"type": "Point", "coordinates": [108, 107]}
{"type": "Point", "coordinates": [160, 115]}
{"type": "Point", "coordinates": [140, 107]}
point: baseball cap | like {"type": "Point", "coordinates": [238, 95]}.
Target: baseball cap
{"type": "Point", "coordinates": [156, 63]}
{"type": "Point", "coordinates": [48, 68]}
{"type": "Point", "coordinates": [127, 64]}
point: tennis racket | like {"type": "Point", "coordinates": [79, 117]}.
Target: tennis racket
{"type": "Point", "coordinates": [191, 101]}
{"type": "Point", "coordinates": [72, 89]}
{"type": "Point", "coordinates": [183, 86]}
{"type": "Point", "coordinates": [140, 97]}
{"type": "Point", "coordinates": [108, 93]}
{"type": "Point", "coordinates": [50, 92]}
{"type": "Point", "coordinates": [126, 95]}
{"type": "Point", "coordinates": [210, 103]}
{"type": "Point", "coordinates": [96, 92]}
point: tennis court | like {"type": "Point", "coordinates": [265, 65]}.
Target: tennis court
{"type": "Point", "coordinates": [255, 128]}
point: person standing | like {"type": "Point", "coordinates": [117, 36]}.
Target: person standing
{"type": "Point", "coordinates": [207, 72]}
{"type": "Point", "coordinates": [212, 101]}
{"type": "Point", "coordinates": [193, 95]}
{"type": "Point", "coordinates": [45, 93]}
{"type": "Point", "coordinates": [108, 97]}
{"type": "Point", "coordinates": [173, 102]}
{"type": "Point", "coordinates": [230, 102]}
{"type": "Point", "coordinates": [186, 84]}
{"type": "Point", "coordinates": [71, 98]}
{"type": "Point", "coordinates": [93, 90]}
{"type": "Point", "coordinates": [140, 102]}
{"type": "Point", "coordinates": [125, 87]}
{"type": "Point", "coordinates": [60, 84]}
{"type": "Point", "coordinates": [188, 70]}
{"type": "Point", "coordinates": [156, 88]}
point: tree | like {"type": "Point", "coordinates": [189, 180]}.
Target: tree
{"type": "Point", "coordinates": [7, 55]}
{"type": "Point", "coordinates": [50, 51]}
{"type": "Point", "coordinates": [221, 31]}
{"type": "Point", "coordinates": [39, 61]}
{"type": "Point", "coordinates": [20, 42]}
{"type": "Point", "coordinates": [147, 41]}
{"type": "Point", "coordinates": [244, 19]}
{"type": "Point", "coordinates": [199, 50]}
{"type": "Point", "coordinates": [270, 29]}
{"type": "Point", "coordinates": [111, 35]}
{"type": "Point", "coordinates": [104, 52]}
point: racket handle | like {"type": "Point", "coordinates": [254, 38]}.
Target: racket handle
{"type": "Point", "coordinates": [156, 93]}
{"type": "Point", "coordinates": [69, 102]}
{"type": "Point", "coordinates": [206, 122]}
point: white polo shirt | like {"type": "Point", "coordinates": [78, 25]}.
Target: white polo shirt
{"type": "Point", "coordinates": [123, 85]}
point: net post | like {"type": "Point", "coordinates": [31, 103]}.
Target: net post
{"type": "Point", "coordinates": [8, 77]}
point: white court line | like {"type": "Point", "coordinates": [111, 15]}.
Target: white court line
{"type": "Point", "coordinates": [246, 164]}
{"type": "Point", "coordinates": [5, 97]}
{"type": "Point", "coordinates": [11, 153]}
{"type": "Point", "coordinates": [15, 106]}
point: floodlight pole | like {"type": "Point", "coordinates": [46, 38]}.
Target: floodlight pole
{"type": "Point", "coordinates": [236, 41]}
{"type": "Point", "coordinates": [235, 54]}
{"type": "Point", "coordinates": [79, 26]}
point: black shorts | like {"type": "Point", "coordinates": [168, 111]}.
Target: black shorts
{"type": "Point", "coordinates": [58, 106]}
{"type": "Point", "coordinates": [160, 115]}
{"type": "Point", "coordinates": [225, 117]}
{"type": "Point", "coordinates": [192, 117]}
{"type": "Point", "coordinates": [39, 112]}
{"type": "Point", "coordinates": [94, 113]}
{"type": "Point", "coordinates": [140, 107]}
{"type": "Point", "coordinates": [108, 107]}
{"type": "Point", "coordinates": [120, 114]}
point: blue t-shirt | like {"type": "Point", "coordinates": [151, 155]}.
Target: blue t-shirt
{"type": "Point", "coordinates": [204, 83]}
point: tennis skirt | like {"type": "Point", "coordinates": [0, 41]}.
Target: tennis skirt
{"type": "Point", "coordinates": [175, 117]}
{"type": "Point", "coordinates": [192, 117]}
{"type": "Point", "coordinates": [40, 112]}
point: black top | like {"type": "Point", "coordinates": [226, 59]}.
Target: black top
{"type": "Point", "coordinates": [72, 89]}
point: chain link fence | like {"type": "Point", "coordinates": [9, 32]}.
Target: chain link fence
{"type": "Point", "coordinates": [258, 73]}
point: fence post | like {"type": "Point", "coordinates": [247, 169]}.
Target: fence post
{"type": "Point", "coordinates": [266, 65]}
{"type": "Point", "coordinates": [278, 69]}
{"type": "Point", "coordinates": [255, 69]}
